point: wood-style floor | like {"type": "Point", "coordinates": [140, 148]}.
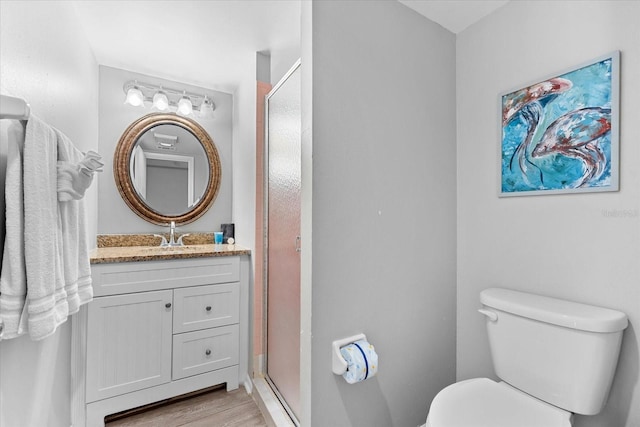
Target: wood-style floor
{"type": "Point", "coordinates": [216, 408]}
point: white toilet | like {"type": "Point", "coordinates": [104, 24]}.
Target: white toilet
{"type": "Point", "coordinates": [554, 357]}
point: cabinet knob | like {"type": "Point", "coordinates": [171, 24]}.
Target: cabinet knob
{"type": "Point", "coordinates": [208, 308]}
{"type": "Point", "coordinates": [207, 352]}
{"type": "Point", "coordinates": [168, 305]}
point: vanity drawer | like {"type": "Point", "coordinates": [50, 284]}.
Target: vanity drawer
{"type": "Point", "coordinates": [203, 351]}
{"type": "Point", "coordinates": [202, 307]}
{"type": "Point", "coordinates": [129, 277]}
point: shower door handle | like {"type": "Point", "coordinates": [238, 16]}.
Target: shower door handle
{"type": "Point", "coordinates": [297, 244]}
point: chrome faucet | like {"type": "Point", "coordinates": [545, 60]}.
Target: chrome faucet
{"type": "Point", "coordinates": [172, 237]}
{"type": "Point", "coordinates": [179, 242]}
{"type": "Point", "coordinates": [172, 233]}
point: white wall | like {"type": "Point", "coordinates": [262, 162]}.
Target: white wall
{"type": "Point", "coordinates": [282, 59]}
{"type": "Point", "coordinates": [281, 63]}
{"type": "Point", "coordinates": [46, 60]}
{"type": "Point", "coordinates": [115, 216]}
{"type": "Point", "coordinates": [244, 187]}
{"type": "Point", "coordinates": [563, 245]}
{"type": "Point", "coordinates": [244, 160]}
{"type": "Point", "coordinates": [383, 209]}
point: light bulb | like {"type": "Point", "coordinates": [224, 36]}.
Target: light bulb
{"type": "Point", "coordinates": [206, 108]}
{"type": "Point", "coordinates": [134, 97]}
{"type": "Point", "coordinates": [160, 100]}
{"type": "Point", "coordinates": [185, 107]}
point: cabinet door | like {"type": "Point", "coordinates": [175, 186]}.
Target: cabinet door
{"type": "Point", "coordinates": [128, 343]}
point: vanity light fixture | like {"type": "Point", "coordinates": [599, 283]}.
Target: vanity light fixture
{"type": "Point", "coordinates": [206, 108]}
{"type": "Point", "coordinates": [167, 99]}
{"type": "Point", "coordinates": [160, 100]}
{"type": "Point", "coordinates": [134, 96]}
{"type": "Point", "coordinates": [185, 106]}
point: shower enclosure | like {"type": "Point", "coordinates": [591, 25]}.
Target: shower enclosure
{"type": "Point", "coordinates": [282, 240]}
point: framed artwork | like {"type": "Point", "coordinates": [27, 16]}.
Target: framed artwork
{"type": "Point", "coordinates": [560, 134]}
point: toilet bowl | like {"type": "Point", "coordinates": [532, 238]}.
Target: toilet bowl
{"type": "Point", "coordinates": [535, 341]}
{"type": "Point", "coordinates": [482, 402]}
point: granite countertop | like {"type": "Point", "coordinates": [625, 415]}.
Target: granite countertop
{"type": "Point", "coordinates": [144, 247]}
{"type": "Point", "coordinates": [152, 253]}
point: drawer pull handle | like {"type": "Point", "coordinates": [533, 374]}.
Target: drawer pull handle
{"type": "Point", "coordinates": [208, 308]}
{"type": "Point", "coordinates": [207, 352]}
{"type": "Point", "coordinates": [168, 305]}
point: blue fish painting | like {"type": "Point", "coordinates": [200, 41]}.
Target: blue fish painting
{"type": "Point", "coordinates": [558, 134]}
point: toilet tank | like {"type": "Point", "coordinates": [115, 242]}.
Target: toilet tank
{"type": "Point", "coordinates": [561, 352]}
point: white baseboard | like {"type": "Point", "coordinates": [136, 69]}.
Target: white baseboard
{"type": "Point", "coordinates": [248, 384]}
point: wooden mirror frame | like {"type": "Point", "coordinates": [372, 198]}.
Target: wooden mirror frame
{"type": "Point", "coordinates": [124, 183]}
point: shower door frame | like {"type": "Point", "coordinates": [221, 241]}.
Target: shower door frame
{"type": "Point", "coordinates": [265, 267]}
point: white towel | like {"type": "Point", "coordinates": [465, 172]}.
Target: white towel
{"type": "Point", "coordinates": [46, 297]}
{"type": "Point", "coordinates": [75, 252]}
{"type": "Point", "coordinates": [13, 280]}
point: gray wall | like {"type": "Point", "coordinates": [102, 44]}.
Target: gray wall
{"type": "Point", "coordinates": [384, 206]}
{"type": "Point", "coordinates": [567, 246]}
{"type": "Point", "coordinates": [45, 59]}
{"type": "Point", "coordinates": [114, 216]}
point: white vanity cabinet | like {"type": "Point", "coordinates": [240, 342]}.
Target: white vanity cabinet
{"type": "Point", "coordinates": [156, 329]}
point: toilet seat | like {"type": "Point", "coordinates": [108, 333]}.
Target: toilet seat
{"type": "Point", "coordinates": [482, 402]}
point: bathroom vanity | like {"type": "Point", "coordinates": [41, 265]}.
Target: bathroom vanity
{"type": "Point", "coordinates": [163, 322]}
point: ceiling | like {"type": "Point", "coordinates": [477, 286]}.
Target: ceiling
{"type": "Point", "coordinates": [454, 15]}
{"type": "Point", "coordinates": [212, 43]}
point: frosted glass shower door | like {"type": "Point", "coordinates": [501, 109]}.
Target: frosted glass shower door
{"type": "Point", "coordinates": [283, 239]}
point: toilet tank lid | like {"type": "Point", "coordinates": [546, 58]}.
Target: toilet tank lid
{"type": "Point", "coordinates": [555, 311]}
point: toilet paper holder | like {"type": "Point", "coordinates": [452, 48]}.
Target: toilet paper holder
{"type": "Point", "coordinates": [338, 364]}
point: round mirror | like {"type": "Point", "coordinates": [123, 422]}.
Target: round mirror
{"type": "Point", "coordinates": [167, 168]}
